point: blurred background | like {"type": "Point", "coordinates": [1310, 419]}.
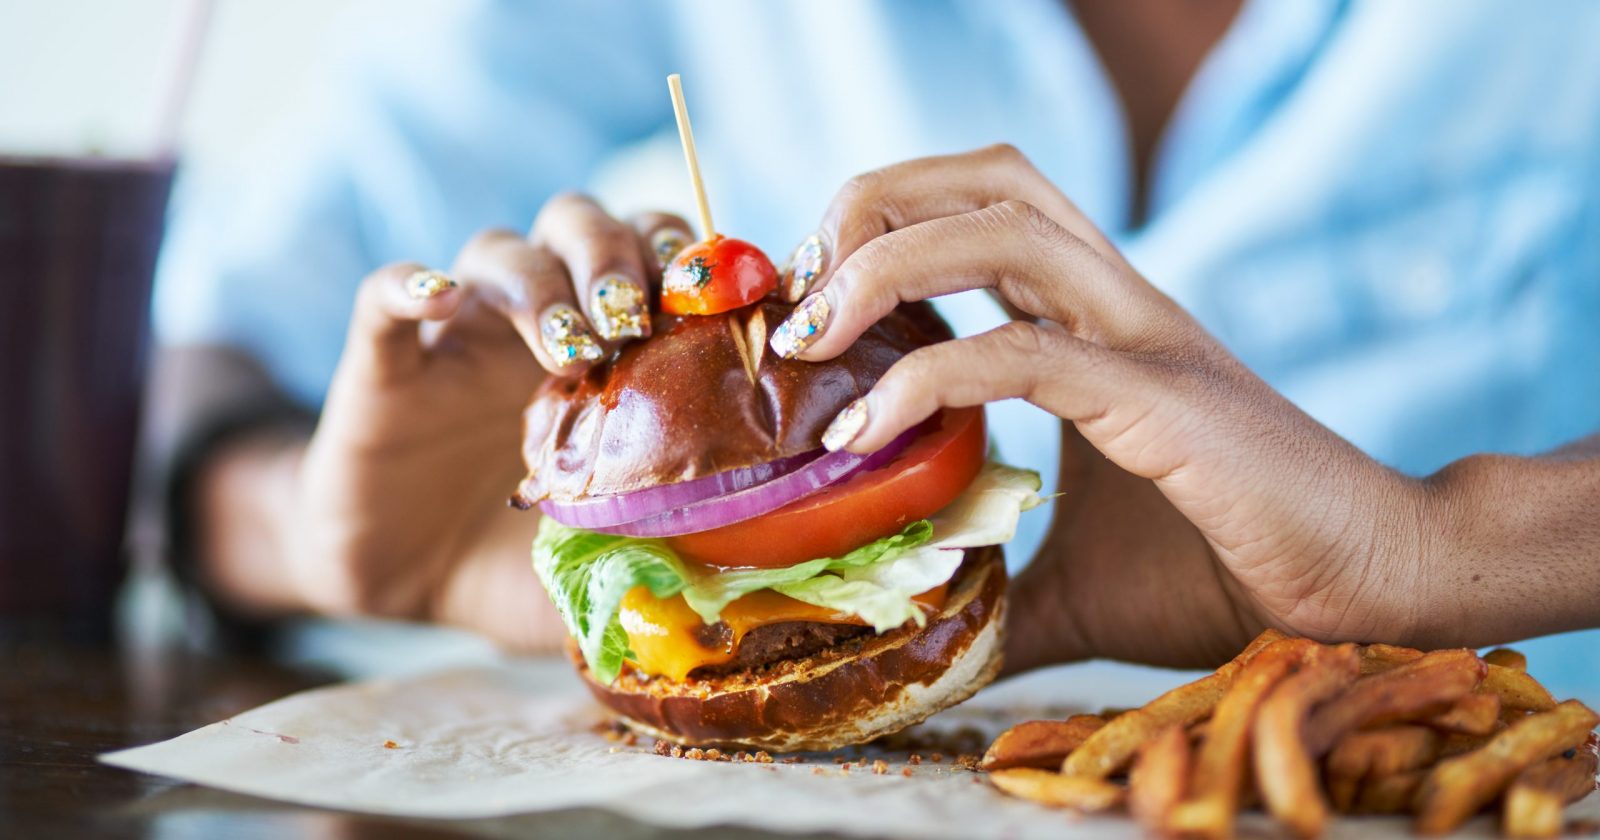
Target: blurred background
{"type": "Point", "coordinates": [1372, 333]}
{"type": "Point", "coordinates": [129, 80]}
{"type": "Point", "coordinates": [85, 76]}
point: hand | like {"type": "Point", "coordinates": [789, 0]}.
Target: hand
{"type": "Point", "coordinates": [1198, 505]}
{"type": "Point", "coordinates": [399, 499]}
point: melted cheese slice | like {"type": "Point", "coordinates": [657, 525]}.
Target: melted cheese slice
{"type": "Point", "coordinates": [669, 639]}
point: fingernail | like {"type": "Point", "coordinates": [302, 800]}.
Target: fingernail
{"type": "Point", "coordinates": [619, 308]}
{"type": "Point", "coordinates": [428, 283]}
{"type": "Point", "coordinates": [846, 427]}
{"type": "Point", "coordinates": [567, 338]}
{"type": "Point", "coordinates": [667, 242]}
{"type": "Point", "coordinates": [802, 328]}
{"type": "Point", "coordinates": [803, 268]}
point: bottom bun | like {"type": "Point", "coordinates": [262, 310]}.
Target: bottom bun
{"type": "Point", "coordinates": [848, 694]}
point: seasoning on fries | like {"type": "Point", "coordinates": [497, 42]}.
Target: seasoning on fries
{"type": "Point", "coordinates": [1304, 730]}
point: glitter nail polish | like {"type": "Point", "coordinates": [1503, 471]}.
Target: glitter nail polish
{"type": "Point", "coordinates": [428, 283]}
{"type": "Point", "coordinates": [846, 426]}
{"type": "Point", "coordinates": [666, 243]}
{"type": "Point", "coordinates": [618, 307]}
{"type": "Point", "coordinates": [803, 268]}
{"type": "Point", "coordinates": [567, 338]}
{"type": "Point", "coordinates": [802, 328]}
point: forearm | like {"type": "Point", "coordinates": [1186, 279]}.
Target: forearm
{"type": "Point", "coordinates": [1513, 549]}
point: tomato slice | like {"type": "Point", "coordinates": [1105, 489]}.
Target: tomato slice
{"type": "Point", "coordinates": [928, 475]}
{"type": "Point", "coordinates": [717, 275]}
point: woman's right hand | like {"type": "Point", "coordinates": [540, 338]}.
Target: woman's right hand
{"type": "Point", "coordinates": [396, 506]}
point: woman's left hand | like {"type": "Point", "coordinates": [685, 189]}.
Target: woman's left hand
{"type": "Point", "coordinates": [1214, 508]}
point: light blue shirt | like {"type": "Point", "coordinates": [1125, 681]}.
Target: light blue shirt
{"type": "Point", "coordinates": [1390, 210]}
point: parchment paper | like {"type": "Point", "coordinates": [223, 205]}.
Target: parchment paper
{"type": "Point", "coordinates": [521, 737]}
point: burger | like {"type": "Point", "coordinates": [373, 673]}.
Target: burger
{"type": "Point", "coordinates": [725, 579]}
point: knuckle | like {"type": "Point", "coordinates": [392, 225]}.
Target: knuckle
{"type": "Point", "coordinates": [863, 188]}
{"type": "Point", "coordinates": [537, 264]}
{"type": "Point", "coordinates": [918, 369]}
{"type": "Point", "coordinates": [1003, 152]}
{"type": "Point", "coordinates": [871, 279]}
{"type": "Point", "coordinates": [487, 240]}
{"type": "Point", "coordinates": [1021, 338]}
{"type": "Point", "coordinates": [658, 219]}
{"type": "Point", "coordinates": [871, 258]}
{"type": "Point", "coordinates": [567, 200]}
{"type": "Point", "coordinates": [559, 211]}
{"type": "Point", "coordinates": [1031, 220]}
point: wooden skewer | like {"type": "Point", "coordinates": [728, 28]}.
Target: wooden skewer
{"type": "Point", "coordinates": [686, 135]}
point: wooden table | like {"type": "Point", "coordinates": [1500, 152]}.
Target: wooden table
{"type": "Point", "coordinates": [61, 705]}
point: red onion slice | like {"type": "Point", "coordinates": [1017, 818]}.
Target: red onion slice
{"type": "Point", "coordinates": [751, 502]}
{"type": "Point", "coordinates": [601, 512]}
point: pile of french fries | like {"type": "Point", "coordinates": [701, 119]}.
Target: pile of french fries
{"type": "Point", "coordinates": [1303, 730]}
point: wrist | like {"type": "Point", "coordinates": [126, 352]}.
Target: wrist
{"type": "Point", "coordinates": [1380, 554]}
{"type": "Point", "coordinates": [1506, 556]}
{"type": "Point", "coordinates": [246, 496]}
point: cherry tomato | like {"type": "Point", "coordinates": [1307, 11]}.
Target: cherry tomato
{"type": "Point", "coordinates": [716, 275]}
{"type": "Point", "coordinates": [921, 480]}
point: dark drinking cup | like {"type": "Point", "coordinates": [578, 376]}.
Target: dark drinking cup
{"type": "Point", "coordinates": [78, 245]}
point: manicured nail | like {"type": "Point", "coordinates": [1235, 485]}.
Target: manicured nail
{"type": "Point", "coordinates": [619, 308]}
{"type": "Point", "coordinates": [847, 426]}
{"type": "Point", "coordinates": [428, 283]}
{"type": "Point", "coordinates": [803, 268]}
{"type": "Point", "coordinates": [802, 328]}
{"type": "Point", "coordinates": [567, 338]}
{"type": "Point", "coordinates": [667, 242]}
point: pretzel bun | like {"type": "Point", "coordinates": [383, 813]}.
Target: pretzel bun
{"type": "Point", "coordinates": [702, 395]}
{"type": "Point", "coordinates": [848, 694]}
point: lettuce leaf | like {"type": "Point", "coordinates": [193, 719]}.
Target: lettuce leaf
{"type": "Point", "coordinates": [587, 574]}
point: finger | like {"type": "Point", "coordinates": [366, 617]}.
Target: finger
{"type": "Point", "coordinates": [661, 236]}
{"type": "Point", "coordinates": [602, 256]}
{"type": "Point", "coordinates": [1069, 377]}
{"type": "Point", "coordinates": [897, 197]}
{"type": "Point", "coordinates": [390, 304]}
{"type": "Point", "coordinates": [529, 285]}
{"type": "Point", "coordinates": [1010, 247]}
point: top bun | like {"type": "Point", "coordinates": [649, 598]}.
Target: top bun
{"type": "Point", "coordinates": [686, 402]}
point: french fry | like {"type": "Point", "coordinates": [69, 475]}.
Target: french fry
{"type": "Point", "coordinates": [1422, 686]}
{"type": "Point", "coordinates": [1517, 690]}
{"type": "Point", "coordinates": [1390, 794]}
{"type": "Point", "coordinates": [1048, 787]}
{"type": "Point", "coordinates": [1474, 714]}
{"type": "Point", "coordinates": [1376, 659]}
{"type": "Point", "coordinates": [1456, 743]}
{"type": "Point", "coordinates": [1159, 778]}
{"type": "Point", "coordinates": [1113, 746]}
{"type": "Point", "coordinates": [1455, 789]}
{"type": "Point", "coordinates": [1040, 743]}
{"type": "Point", "coordinates": [1286, 774]}
{"type": "Point", "coordinates": [1219, 768]}
{"type": "Point", "coordinates": [1535, 800]}
{"type": "Point", "coordinates": [1441, 734]}
{"type": "Point", "coordinates": [1507, 658]}
{"type": "Point", "coordinates": [1374, 753]}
